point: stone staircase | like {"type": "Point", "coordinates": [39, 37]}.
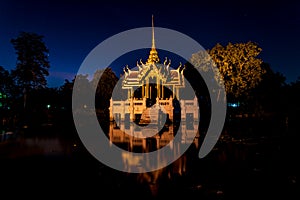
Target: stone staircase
{"type": "Point", "coordinates": [149, 115]}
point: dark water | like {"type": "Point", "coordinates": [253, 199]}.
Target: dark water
{"type": "Point", "coordinates": [56, 165]}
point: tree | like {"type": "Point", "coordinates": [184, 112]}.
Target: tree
{"type": "Point", "coordinates": [104, 86]}
{"type": "Point", "coordinates": [240, 68]}
{"type": "Point", "coordinates": [5, 81]}
{"type": "Point", "coordinates": [65, 92]}
{"type": "Point", "coordinates": [268, 96]}
{"type": "Point", "coordinates": [84, 89]}
{"type": "Point", "coordinates": [7, 89]}
{"type": "Point", "coordinates": [4, 75]}
{"type": "Point", "coordinates": [32, 61]}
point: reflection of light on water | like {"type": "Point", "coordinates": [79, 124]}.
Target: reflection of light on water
{"type": "Point", "coordinates": [132, 140]}
{"type": "Point", "coordinates": [130, 160]}
{"type": "Point", "coordinates": [143, 145]}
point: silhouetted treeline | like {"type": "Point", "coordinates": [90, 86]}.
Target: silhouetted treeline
{"type": "Point", "coordinates": [270, 107]}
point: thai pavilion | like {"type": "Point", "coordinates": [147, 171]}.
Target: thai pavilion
{"type": "Point", "coordinates": [152, 88]}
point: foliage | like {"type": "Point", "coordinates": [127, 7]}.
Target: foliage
{"type": "Point", "coordinates": [83, 87]}
{"type": "Point", "coordinates": [104, 86]}
{"type": "Point", "coordinates": [32, 61]}
{"type": "Point", "coordinates": [239, 68]}
{"type": "Point", "coordinates": [268, 95]}
{"type": "Point", "coordinates": [5, 82]}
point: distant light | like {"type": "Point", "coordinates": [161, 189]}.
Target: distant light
{"type": "Point", "coordinates": [234, 105]}
{"type": "Point", "coordinates": [85, 106]}
{"type": "Point", "coordinates": [48, 106]}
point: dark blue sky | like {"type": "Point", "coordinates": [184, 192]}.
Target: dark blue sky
{"type": "Point", "coordinates": [72, 29]}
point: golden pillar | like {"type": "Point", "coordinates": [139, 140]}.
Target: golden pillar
{"type": "Point", "coordinates": [147, 88]}
{"type": "Point", "coordinates": [173, 91]}
{"type": "Point", "coordinates": [162, 91]}
{"type": "Point", "coordinates": [143, 90]}
{"type": "Point", "coordinates": [158, 88]}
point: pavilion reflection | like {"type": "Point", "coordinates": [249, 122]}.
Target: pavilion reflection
{"type": "Point", "coordinates": [130, 139]}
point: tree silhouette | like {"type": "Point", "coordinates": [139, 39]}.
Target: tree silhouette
{"type": "Point", "coordinates": [32, 62]}
{"type": "Point", "coordinates": [104, 86]}
{"type": "Point", "coordinates": [84, 89]}
{"type": "Point", "coordinates": [65, 92]}
{"type": "Point", "coordinates": [5, 82]}
{"type": "Point", "coordinates": [268, 96]}
{"type": "Point", "coordinates": [8, 95]}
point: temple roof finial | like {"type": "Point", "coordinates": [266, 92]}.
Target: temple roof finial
{"type": "Point", "coordinates": [153, 57]}
{"type": "Point", "coordinates": [153, 38]}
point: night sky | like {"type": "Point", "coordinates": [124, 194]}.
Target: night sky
{"type": "Point", "coordinates": [71, 29]}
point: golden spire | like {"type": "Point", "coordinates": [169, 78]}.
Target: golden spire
{"type": "Point", "coordinates": [153, 57]}
{"type": "Point", "coordinates": [153, 38]}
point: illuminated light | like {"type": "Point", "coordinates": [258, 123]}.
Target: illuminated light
{"type": "Point", "coordinates": [234, 105]}
{"type": "Point", "coordinates": [131, 160]}
{"type": "Point", "coordinates": [48, 106]}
